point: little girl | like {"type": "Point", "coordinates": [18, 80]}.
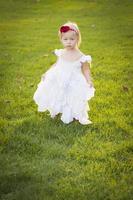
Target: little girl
{"type": "Point", "coordinates": [67, 86]}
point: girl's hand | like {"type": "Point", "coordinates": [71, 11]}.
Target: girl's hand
{"type": "Point", "coordinates": [43, 77]}
{"type": "Point", "coordinates": [90, 84]}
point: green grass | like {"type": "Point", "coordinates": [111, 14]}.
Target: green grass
{"type": "Point", "coordinates": [42, 158]}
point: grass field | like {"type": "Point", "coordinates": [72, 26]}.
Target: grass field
{"type": "Point", "coordinates": [42, 158]}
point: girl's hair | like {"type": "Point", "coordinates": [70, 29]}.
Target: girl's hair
{"type": "Point", "coordinates": [74, 26]}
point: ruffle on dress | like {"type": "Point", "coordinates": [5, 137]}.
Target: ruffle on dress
{"type": "Point", "coordinates": [70, 99]}
{"type": "Point", "coordinates": [58, 52]}
{"type": "Point", "coordinates": [86, 58]}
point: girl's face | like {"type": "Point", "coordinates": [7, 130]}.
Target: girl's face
{"type": "Point", "coordinates": [69, 39]}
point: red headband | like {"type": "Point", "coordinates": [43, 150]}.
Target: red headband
{"type": "Point", "coordinates": [64, 29]}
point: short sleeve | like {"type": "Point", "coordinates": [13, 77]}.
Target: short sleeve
{"type": "Point", "coordinates": [57, 52]}
{"type": "Point", "coordinates": [86, 58]}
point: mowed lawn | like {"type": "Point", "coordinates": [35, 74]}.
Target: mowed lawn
{"type": "Point", "coordinates": [42, 158]}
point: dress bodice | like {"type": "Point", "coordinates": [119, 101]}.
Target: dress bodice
{"type": "Point", "coordinates": [71, 64]}
{"type": "Point", "coordinates": [69, 70]}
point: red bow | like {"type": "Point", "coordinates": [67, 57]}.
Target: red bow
{"type": "Point", "coordinates": [64, 29]}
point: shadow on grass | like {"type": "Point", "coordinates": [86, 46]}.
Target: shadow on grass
{"type": "Point", "coordinates": [25, 187]}
{"type": "Point", "coordinates": [37, 159]}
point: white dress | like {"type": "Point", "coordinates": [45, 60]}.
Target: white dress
{"type": "Point", "coordinates": [65, 90]}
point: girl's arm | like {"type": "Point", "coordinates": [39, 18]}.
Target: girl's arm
{"type": "Point", "coordinates": [87, 73]}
